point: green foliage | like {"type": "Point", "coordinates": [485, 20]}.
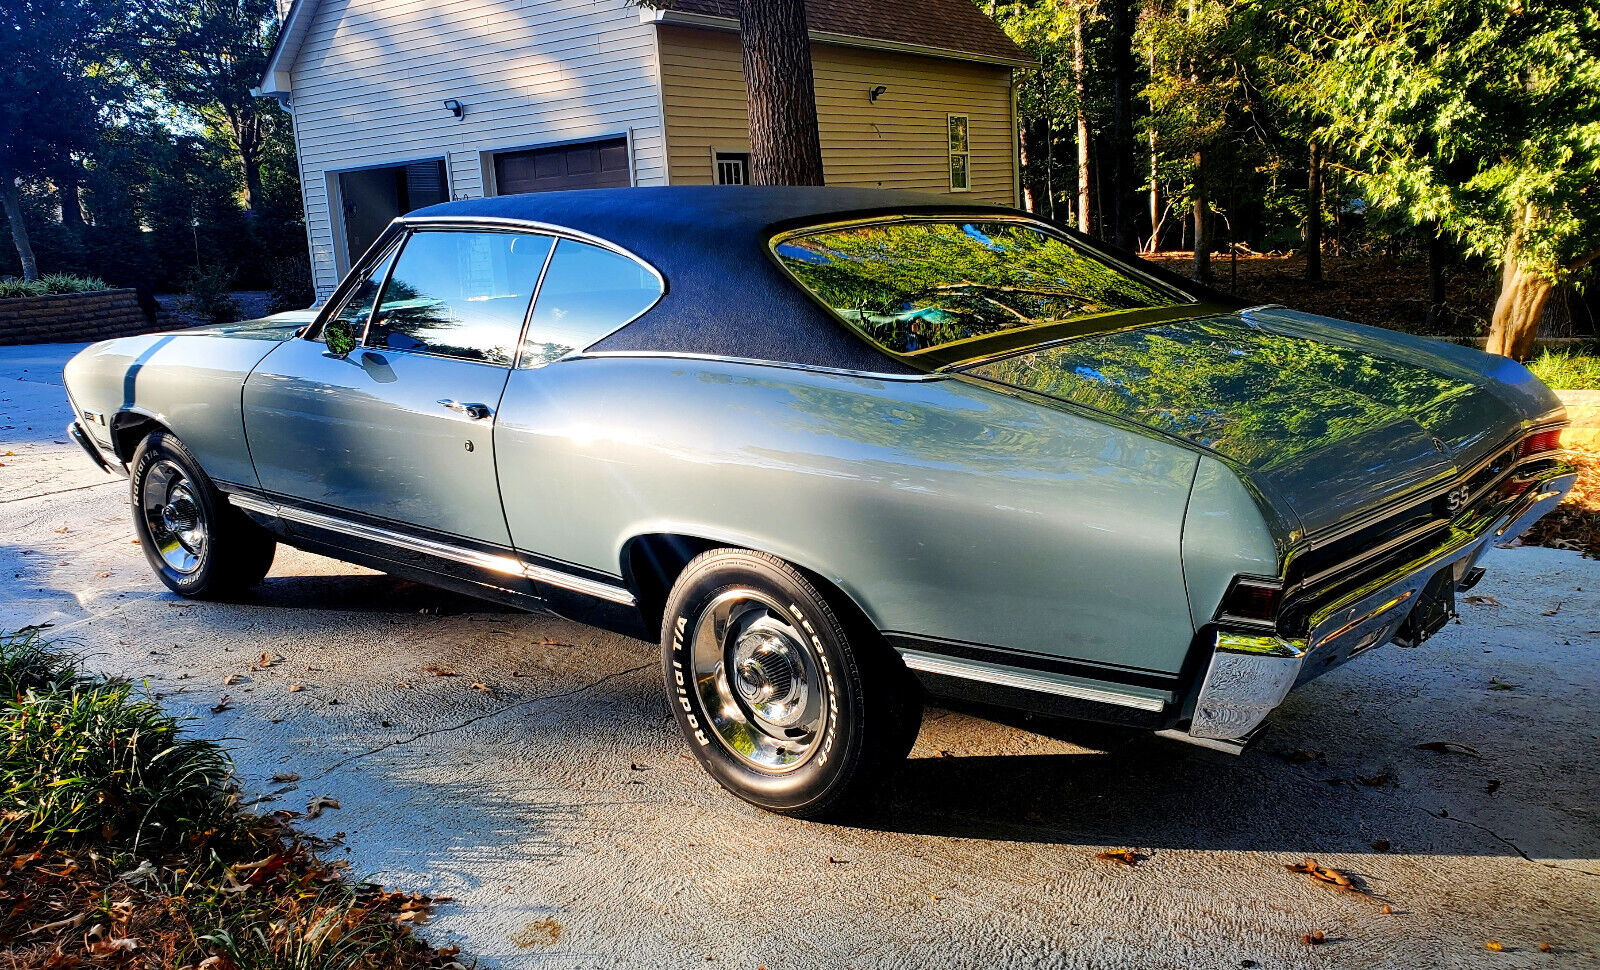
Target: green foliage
{"type": "Point", "coordinates": [50, 283]}
{"type": "Point", "coordinates": [914, 286]}
{"type": "Point", "coordinates": [292, 285]}
{"type": "Point", "coordinates": [1567, 371]}
{"type": "Point", "coordinates": [85, 760]}
{"type": "Point", "coordinates": [1482, 115]}
{"type": "Point", "coordinates": [208, 295]}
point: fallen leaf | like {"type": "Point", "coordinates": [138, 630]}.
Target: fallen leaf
{"type": "Point", "coordinates": [479, 685]}
{"type": "Point", "coordinates": [1544, 948]}
{"type": "Point", "coordinates": [438, 671]}
{"type": "Point", "coordinates": [284, 777]}
{"type": "Point", "coordinates": [1446, 747]}
{"type": "Point", "coordinates": [316, 805]}
{"type": "Point", "coordinates": [1376, 781]}
{"type": "Point", "coordinates": [1492, 787]}
{"type": "Point", "coordinates": [225, 704]}
{"type": "Point", "coordinates": [1314, 938]}
{"type": "Point", "coordinates": [1482, 601]}
{"type": "Point", "coordinates": [1495, 684]}
{"type": "Point", "coordinates": [1300, 756]}
{"type": "Point", "coordinates": [1127, 857]}
{"type": "Point", "coordinates": [1326, 874]}
{"type": "Point", "coordinates": [837, 862]}
{"type": "Point", "coordinates": [232, 679]}
{"type": "Point", "coordinates": [1494, 946]}
{"type": "Point", "coordinates": [1387, 909]}
{"type": "Point", "coordinates": [1552, 611]}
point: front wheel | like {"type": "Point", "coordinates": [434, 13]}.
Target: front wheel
{"type": "Point", "coordinates": [199, 545]}
{"type": "Point", "coordinates": [783, 703]}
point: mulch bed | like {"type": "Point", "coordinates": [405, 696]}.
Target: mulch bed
{"type": "Point", "coordinates": [1575, 524]}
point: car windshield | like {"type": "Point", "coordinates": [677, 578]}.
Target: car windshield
{"type": "Point", "coordinates": [917, 285]}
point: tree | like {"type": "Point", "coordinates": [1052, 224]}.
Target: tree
{"type": "Point", "coordinates": [57, 69]}
{"type": "Point", "coordinates": [1118, 210]}
{"type": "Point", "coordinates": [785, 148]}
{"type": "Point", "coordinates": [206, 55]}
{"type": "Point", "coordinates": [1482, 115]}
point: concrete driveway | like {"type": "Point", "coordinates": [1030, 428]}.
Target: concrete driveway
{"type": "Point", "coordinates": [544, 786]}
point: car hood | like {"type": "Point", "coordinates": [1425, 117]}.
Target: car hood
{"type": "Point", "coordinates": [279, 326]}
{"type": "Point", "coordinates": [1327, 418]}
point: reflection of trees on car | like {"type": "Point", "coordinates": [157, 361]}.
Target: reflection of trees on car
{"type": "Point", "coordinates": [1259, 397]}
{"type": "Point", "coordinates": [914, 285]}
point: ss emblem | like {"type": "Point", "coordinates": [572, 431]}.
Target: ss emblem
{"type": "Point", "coordinates": [1456, 499]}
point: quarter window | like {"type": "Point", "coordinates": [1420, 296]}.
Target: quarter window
{"type": "Point", "coordinates": [960, 154]}
{"type": "Point", "coordinates": [460, 294]}
{"type": "Point", "coordinates": [587, 293]}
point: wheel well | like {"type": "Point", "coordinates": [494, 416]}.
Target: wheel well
{"type": "Point", "coordinates": [652, 563]}
{"type": "Point", "coordinates": [128, 428]}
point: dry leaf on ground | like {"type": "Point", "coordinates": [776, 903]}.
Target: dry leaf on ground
{"type": "Point", "coordinates": [225, 704]}
{"type": "Point", "coordinates": [1127, 857]}
{"type": "Point", "coordinates": [284, 777]}
{"type": "Point", "coordinates": [316, 805]}
{"type": "Point", "coordinates": [1446, 747]}
{"type": "Point", "coordinates": [1326, 874]}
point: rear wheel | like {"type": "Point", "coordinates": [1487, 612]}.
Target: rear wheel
{"type": "Point", "coordinates": [783, 702]}
{"type": "Point", "coordinates": [198, 544]}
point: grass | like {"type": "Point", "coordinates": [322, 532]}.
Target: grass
{"type": "Point", "coordinates": [123, 843]}
{"type": "Point", "coordinates": [1567, 371]}
{"type": "Point", "coordinates": [50, 283]}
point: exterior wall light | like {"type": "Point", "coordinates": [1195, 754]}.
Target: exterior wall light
{"type": "Point", "coordinates": [876, 91]}
{"type": "Point", "coordinates": [455, 107]}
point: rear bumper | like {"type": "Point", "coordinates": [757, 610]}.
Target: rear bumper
{"type": "Point", "coordinates": [1251, 672]}
{"type": "Point", "coordinates": [92, 450]}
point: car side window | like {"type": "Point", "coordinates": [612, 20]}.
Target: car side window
{"type": "Point", "coordinates": [459, 294]}
{"type": "Point", "coordinates": [587, 293]}
{"type": "Point", "coordinates": [358, 305]}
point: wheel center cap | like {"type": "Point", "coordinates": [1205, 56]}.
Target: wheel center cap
{"type": "Point", "coordinates": [764, 671]}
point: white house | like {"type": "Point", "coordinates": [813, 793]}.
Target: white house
{"type": "Point", "coordinates": [399, 104]}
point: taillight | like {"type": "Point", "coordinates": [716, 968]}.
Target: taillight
{"type": "Point", "coordinates": [1539, 442]}
{"type": "Point", "coordinates": [1252, 599]}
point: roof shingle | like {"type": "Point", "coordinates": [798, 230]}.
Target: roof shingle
{"type": "Point", "coordinates": [952, 25]}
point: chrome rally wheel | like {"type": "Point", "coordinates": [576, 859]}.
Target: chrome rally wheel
{"type": "Point", "coordinates": [173, 516]}
{"type": "Point", "coordinates": [197, 543]}
{"type": "Point", "coordinates": [760, 680]}
{"type": "Point", "coordinates": [792, 703]}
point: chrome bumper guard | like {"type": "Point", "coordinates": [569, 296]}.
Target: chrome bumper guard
{"type": "Point", "coordinates": [1251, 673]}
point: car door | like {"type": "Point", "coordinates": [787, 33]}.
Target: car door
{"type": "Point", "coordinates": [400, 431]}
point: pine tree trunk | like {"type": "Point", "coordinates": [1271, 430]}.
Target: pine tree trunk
{"type": "Point", "coordinates": [1202, 222]}
{"type": "Point", "coordinates": [1518, 310]}
{"type": "Point", "coordinates": [1080, 82]}
{"type": "Point", "coordinates": [19, 229]}
{"type": "Point", "coordinates": [1116, 213]}
{"type": "Point", "coordinates": [1314, 214]}
{"type": "Point", "coordinates": [785, 148]}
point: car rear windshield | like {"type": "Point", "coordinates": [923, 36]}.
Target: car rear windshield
{"type": "Point", "coordinates": [915, 285]}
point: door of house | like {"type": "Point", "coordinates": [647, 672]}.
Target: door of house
{"type": "Point", "coordinates": [586, 165]}
{"type": "Point", "coordinates": [371, 198]}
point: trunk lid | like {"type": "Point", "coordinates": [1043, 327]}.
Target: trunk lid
{"type": "Point", "coordinates": [1329, 418]}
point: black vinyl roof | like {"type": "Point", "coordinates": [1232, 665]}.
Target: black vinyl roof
{"type": "Point", "coordinates": [725, 295]}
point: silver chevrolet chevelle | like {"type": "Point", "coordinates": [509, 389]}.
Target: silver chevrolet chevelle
{"type": "Point", "coordinates": [836, 448]}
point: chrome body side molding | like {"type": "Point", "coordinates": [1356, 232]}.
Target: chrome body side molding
{"type": "Point", "coordinates": [491, 562]}
{"type": "Point", "coordinates": [1024, 680]}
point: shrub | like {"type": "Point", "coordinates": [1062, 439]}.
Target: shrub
{"type": "Point", "coordinates": [1567, 371]}
{"type": "Point", "coordinates": [292, 286]}
{"type": "Point", "coordinates": [50, 283]}
{"type": "Point", "coordinates": [208, 295]}
{"type": "Point", "coordinates": [28, 664]}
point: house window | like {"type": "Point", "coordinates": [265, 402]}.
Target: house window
{"type": "Point", "coordinates": [733, 168]}
{"type": "Point", "coordinates": [960, 154]}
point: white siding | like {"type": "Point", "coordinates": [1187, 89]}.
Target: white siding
{"type": "Point", "coordinates": [372, 76]}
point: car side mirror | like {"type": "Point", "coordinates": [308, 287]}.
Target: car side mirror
{"type": "Point", "coordinates": [340, 338]}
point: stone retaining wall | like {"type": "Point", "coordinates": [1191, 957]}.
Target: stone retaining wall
{"type": "Point", "coordinates": [73, 317]}
{"type": "Point", "coordinates": [1583, 410]}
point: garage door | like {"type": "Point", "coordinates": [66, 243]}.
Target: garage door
{"type": "Point", "coordinates": [590, 165]}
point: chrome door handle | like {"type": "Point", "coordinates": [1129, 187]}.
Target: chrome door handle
{"type": "Point", "coordinates": [476, 412]}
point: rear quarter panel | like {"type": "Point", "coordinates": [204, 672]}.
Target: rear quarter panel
{"type": "Point", "coordinates": [190, 383]}
{"type": "Point", "coordinates": [941, 507]}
